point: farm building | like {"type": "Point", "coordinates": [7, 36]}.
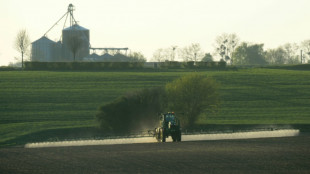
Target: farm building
{"type": "Point", "coordinates": [73, 46]}
{"type": "Point", "coordinates": [45, 50]}
{"type": "Point", "coordinates": [74, 37]}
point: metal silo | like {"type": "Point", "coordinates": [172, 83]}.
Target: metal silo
{"type": "Point", "coordinates": [42, 50]}
{"type": "Point", "coordinates": [75, 37]}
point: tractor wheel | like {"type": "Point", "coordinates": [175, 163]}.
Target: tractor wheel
{"type": "Point", "coordinates": [158, 138]}
{"type": "Point", "coordinates": [157, 134]}
{"type": "Point", "coordinates": [179, 136]}
{"type": "Point", "coordinates": [174, 138]}
{"type": "Point", "coordinates": [162, 135]}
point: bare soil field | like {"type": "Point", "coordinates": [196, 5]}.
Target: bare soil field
{"type": "Point", "coordinates": [268, 155]}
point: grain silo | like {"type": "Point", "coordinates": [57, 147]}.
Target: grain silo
{"type": "Point", "coordinates": [44, 50]}
{"type": "Point", "coordinates": [75, 39]}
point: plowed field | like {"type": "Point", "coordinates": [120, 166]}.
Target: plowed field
{"type": "Point", "coordinates": [268, 155]}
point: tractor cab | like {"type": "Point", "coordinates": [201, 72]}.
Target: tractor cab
{"type": "Point", "coordinates": [169, 126]}
{"type": "Point", "coordinates": [169, 119]}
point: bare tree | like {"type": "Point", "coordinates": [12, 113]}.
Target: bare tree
{"type": "Point", "coordinates": [305, 45]}
{"type": "Point", "coordinates": [163, 54]}
{"type": "Point", "coordinates": [21, 43]}
{"type": "Point", "coordinates": [158, 55]}
{"type": "Point", "coordinates": [74, 44]}
{"type": "Point", "coordinates": [192, 52]}
{"type": "Point", "coordinates": [291, 50]}
{"type": "Point", "coordinates": [168, 54]}
{"type": "Point", "coordinates": [225, 45]}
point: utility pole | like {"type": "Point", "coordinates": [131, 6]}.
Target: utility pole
{"type": "Point", "coordinates": [173, 52]}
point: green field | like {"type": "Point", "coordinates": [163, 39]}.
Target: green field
{"type": "Point", "coordinates": [34, 101]}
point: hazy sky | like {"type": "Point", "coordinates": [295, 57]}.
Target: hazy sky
{"type": "Point", "coordinates": [146, 25]}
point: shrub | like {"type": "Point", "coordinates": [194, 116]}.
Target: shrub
{"type": "Point", "coordinates": [192, 95]}
{"type": "Point", "coordinates": [222, 64]}
{"type": "Point", "coordinates": [8, 68]}
{"type": "Point", "coordinates": [135, 111]}
{"type": "Point", "coordinates": [82, 66]}
{"type": "Point", "coordinates": [190, 64]}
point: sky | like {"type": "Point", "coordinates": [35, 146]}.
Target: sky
{"type": "Point", "coordinates": [147, 25]}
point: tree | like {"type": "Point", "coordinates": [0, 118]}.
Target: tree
{"type": "Point", "coordinates": [207, 58]}
{"type": "Point", "coordinates": [293, 60]}
{"type": "Point", "coordinates": [158, 55]}
{"type": "Point", "coordinates": [291, 51]}
{"type": "Point", "coordinates": [305, 46]}
{"type": "Point", "coordinates": [286, 54]}
{"type": "Point", "coordinates": [136, 57]}
{"type": "Point", "coordinates": [191, 95]}
{"type": "Point", "coordinates": [22, 42]}
{"type": "Point", "coordinates": [225, 45]}
{"type": "Point", "coordinates": [276, 56]}
{"type": "Point", "coordinates": [74, 44]}
{"type": "Point", "coordinates": [163, 54]}
{"type": "Point", "coordinates": [192, 52]}
{"type": "Point", "coordinates": [247, 54]}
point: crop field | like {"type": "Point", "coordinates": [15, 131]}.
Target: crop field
{"type": "Point", "coordinates": [42, 101]}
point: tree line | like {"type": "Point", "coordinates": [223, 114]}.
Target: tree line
{"type": "Point", "coordinates": [229, 48]}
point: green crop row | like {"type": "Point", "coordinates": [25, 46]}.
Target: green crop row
{"type": "Point", "coordinates": [34, 101]}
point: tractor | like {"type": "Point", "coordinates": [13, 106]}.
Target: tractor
{"type": "Point", "coordinates": [169, 125]}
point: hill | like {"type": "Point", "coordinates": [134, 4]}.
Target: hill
{"type": "Point", "coordinates": [36, 101]}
